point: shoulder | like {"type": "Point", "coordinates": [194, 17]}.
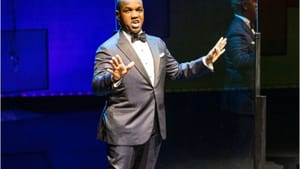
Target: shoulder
{"type": "Point", "coordinates": [110, 43]}
{"type": "Point", "coordinates": [237, 26]}
{"type": "Point", "coordinates": [155, 39]}
{"type": "Point", "coordinates": [236, 23]}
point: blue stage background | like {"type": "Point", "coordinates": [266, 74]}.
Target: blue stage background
{"type": "Point", "coordinates": [75, 29]}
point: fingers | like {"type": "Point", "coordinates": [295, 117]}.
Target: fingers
{"type": "Point", "coordinates": [218, 55]}
{"type": "Point", "coordinates": [116, 61]}
{"type": "Point", "coordinates": [110, 71]}
{"type": "Point", "coordinates": [222, 51]}
{"type": "Point", "coordinates": [130, 65]}
{"type": "Point", "coordinates": [218, 49]}
{"type": "Point", "coordinates": [119, 61]}
{"type": "Point", "coordinates": [221, 43]}
{"type": "Point", "coordinates": [113, 62]}
{"type": "Point", "coordinates": [117, 64]}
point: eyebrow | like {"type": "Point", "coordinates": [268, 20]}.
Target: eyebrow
{"type": "Point", "coordinates": [130, 8]}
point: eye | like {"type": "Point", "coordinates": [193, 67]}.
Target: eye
{"type": "Point", "coordinates": [140, 9]}
{"type": "Point", "coordinates": [126, 10]}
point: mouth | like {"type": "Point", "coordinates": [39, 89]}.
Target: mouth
{"type": "Point", "coordinates": [135, 24]}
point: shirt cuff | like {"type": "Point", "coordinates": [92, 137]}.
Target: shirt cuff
{"type": "Point", "coordinates": [117, 83]}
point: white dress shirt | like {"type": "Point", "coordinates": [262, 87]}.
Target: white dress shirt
{"type": "Point", "coordinates": [142, 49]}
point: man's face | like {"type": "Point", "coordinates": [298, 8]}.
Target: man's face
{"type": "Point", "coordinates": [131, 15]}
{"type": "Point", "coordinates": [251, 10]}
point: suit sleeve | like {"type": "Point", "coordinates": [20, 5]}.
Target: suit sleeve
{"type": "Point", "coordinates": [184, 70]}
{"type": "Point", "coordinates": [102, 80]}
{"type": "Point", "coordinates": [240, 50]}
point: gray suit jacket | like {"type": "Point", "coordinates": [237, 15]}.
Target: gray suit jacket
{"type": "Point", "coordinates": [128, 116]}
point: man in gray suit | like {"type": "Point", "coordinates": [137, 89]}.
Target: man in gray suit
{"type": "Point", "coordinates": [130, 71]}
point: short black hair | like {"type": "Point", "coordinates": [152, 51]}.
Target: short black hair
{"type": "Point", "coordinates": [236, 5]}
{"type": "Point", "coordinates": [118, 4]}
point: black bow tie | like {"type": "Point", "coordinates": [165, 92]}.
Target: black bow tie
{"type": "Point", "coordinates": [140, 36]}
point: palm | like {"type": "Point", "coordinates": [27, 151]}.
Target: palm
{"type": "Point", "coordinates": [119, 68]}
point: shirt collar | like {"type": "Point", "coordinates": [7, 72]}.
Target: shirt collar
{"type": "Point", "coordinates": [246, 20]}
{"type": "Point", "coordinates": [128, 36]}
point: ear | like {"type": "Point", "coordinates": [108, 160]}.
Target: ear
{"type": "Point", "coordinates": [117, 12]}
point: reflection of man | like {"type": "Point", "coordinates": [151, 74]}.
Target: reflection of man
{"type": "Point", "coordinates": [131, 74]}
{"type": "Point", "coordinates": [239, 78]}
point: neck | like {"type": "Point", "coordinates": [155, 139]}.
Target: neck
{"type": "Point", "coordinates": [131, 33]}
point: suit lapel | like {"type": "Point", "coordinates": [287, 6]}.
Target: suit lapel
{"type": "Point", "coordinates": [250, 37]}
{"type": "Point", "coordinates": [240, 22]}
{"type": "Point", "coordinates": [248, 30]}
{"type": "Point", "coordinates": [129, 52]}
{"type": "Point", "coordinates": [155, 54]}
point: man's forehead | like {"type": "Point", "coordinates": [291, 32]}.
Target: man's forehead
{"type": "Point", "coordinates": [130, 4]}
{"type": "Point", "coordinates": [130, 1]}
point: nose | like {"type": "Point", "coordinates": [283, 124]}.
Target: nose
{"type": "Point", "coordinates": [134, 14]}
